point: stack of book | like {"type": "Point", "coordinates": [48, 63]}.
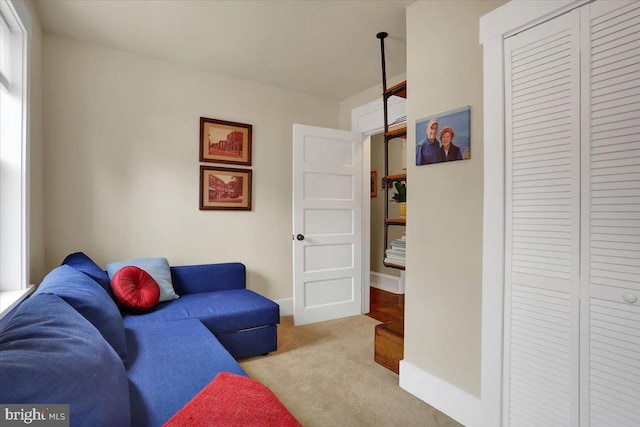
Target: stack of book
{"type": "Point", "coordinates": [396, 255]}
{"type": "Point", "coordinates": [399, 123]}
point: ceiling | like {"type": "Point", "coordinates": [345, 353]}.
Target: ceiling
{"type": "Point", "coordinates": [326, 48]}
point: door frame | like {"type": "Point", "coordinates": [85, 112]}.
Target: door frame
{"type": "Point", "coordinates": [368, 119]}
{"type": "Point", "coordinates": [504, 21]}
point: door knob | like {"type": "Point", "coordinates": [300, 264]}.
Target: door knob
{"type": "Point", "coordinates": [300, 237]}
{"type": "Point", "coordinates": [629, 297]}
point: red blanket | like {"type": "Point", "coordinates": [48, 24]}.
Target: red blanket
{"type": "Point", "coordinates": [233, 400]}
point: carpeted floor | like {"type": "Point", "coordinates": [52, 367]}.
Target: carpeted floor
{"type": "Point", "coordinates": [324, 373]}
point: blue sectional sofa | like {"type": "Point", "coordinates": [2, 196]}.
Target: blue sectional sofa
{"type": "Point", "coordinates": [70, 343]}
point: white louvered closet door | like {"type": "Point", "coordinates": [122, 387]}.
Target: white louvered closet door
{"type": "Point", "coordinates": [610, 386]}
{"type": "Point", "coordinates": [542, 287]}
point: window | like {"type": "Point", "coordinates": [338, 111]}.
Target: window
{"type": "Point", "coordinates": [5, 47]}
{"type": "Point", "coordinates": [15, 27]}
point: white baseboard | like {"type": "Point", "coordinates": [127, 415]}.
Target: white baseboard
{"type": "Point", "coordinates": [448, 399]}
{"type": "Point", "coordinates": [286, 306]}
{"type": "Point", "coordinates": [387, 282]}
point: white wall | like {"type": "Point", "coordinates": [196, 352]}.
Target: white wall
{"type": "Point", "coordinates": [122, 170]}
{"type": "Point", "coordinates": [444, 218]}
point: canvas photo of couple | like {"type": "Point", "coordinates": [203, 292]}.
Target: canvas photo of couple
{"type": "Point", "coordinates": [444, 137]}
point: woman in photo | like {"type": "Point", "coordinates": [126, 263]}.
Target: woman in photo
{"type": "Point", "coordinates": [449, 151]}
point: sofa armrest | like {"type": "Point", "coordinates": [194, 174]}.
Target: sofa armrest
{"type": "Point", "coordinates": [191, 279]}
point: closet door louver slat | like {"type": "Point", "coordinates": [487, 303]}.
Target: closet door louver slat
{"type": "Point", "coordinates": [543, 212]}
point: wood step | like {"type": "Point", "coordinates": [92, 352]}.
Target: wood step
{"type": "Point", "coordinates": [389, 345]}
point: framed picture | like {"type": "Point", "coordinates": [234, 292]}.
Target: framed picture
{"type": "Point", "coordinates": [444, 137]}
{"type": "Point", "coordinates": [225, 189]}
{"type": "Point", "coordinates": [374, 183]}
{"type": "Point", "coordinates": [225, 142]}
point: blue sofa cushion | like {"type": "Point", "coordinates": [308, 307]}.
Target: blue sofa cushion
{"type": "Point", "coordinates": [191, 279]}
{"type": "Point", "coordinates": [50, 354]}
{"type": "Point", "coordinates": [162, 356]}
{"type": "Point", "coordinates": [158, 268]}
{"type": "Point", "coordinates": [90, 300]}
{"type": "Point", "coordinates": [221, 312]}
{"type": "Point", "coordinates": [82, 262]}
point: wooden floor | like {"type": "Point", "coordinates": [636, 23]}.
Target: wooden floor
{"type": "Point", "coordinates": [386, 306]}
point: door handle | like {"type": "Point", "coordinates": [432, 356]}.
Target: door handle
{"type": "Point", "coordinates": [300, 237]}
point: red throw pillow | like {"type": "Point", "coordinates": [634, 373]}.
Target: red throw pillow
{"type": "Point", "coordinates": [134, 288]}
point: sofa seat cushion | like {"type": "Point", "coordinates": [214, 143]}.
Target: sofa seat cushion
{"type": "Point", "coordinates": [234, 401]}
{"type": "Point", "coordinates": [222, 311]}
{"type": "Point", "coordinates": [169, 363]}
{"type": "Point", "coordinates": [49, 353]}
{"type": "Point", "coordinates": [90, 300]}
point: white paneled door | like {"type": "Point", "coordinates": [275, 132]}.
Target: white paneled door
{"type": "Point", "coordinates": [327, 224]}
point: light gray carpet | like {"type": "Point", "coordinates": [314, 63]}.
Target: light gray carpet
{"type": "Point", "coordinates": [324, 373]}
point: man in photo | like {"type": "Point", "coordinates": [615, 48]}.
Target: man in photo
{"type": "Point", "coordinates": [428, 150]}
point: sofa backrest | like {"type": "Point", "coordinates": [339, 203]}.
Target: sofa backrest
{"type": "Point", "coordinates": [191, 279]}
{"type": "Point", "coordinates": [89, 299]}
{"type": "Point", "coordinates": [49, 354]}
{"type": "Point", "coordinates": [81, 262]}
